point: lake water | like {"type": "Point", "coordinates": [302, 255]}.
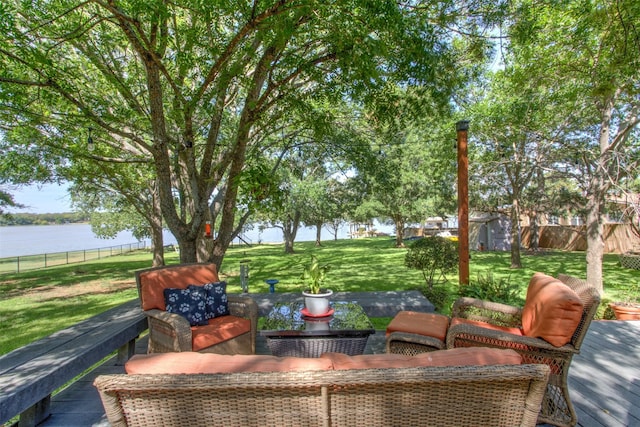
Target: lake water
{"type": "Point", "coordinates": [40, 239]}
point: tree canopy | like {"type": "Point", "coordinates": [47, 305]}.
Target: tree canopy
{"type": "Point", "coordinates": [182, 92]}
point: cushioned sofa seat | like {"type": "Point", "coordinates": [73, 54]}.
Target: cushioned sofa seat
{"type": "Point", "coordinates": [218, 330]}
{"type": "Point", "coordinates": [208, 363]}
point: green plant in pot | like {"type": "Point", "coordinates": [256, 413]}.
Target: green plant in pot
{"type": "Point", "coordinates": [316, 298]}
{"type": "Point", "coordinates": [628, 307]}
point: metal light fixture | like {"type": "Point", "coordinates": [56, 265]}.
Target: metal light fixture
{"type": "Point", "coordinates": [90, 145]}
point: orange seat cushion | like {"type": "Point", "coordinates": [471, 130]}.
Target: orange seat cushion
{"type": "Point", "coordinates": [510, 330]}
{"type": "Point", "coordinates": [209, 363]}
{"type": "Point", "coordinates": [219, 329]}
{"type": "Point", "coordinates": [414, 322]}
{"type": "Point", "coordinates": [154, 282]}
{"type": "Point", "coordinates": [552, 310]}
{"type": "Point", "coordinates": [463, 356]}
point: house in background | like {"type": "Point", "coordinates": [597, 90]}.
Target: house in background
{"type": "Point", "coordinates": [490, 232]}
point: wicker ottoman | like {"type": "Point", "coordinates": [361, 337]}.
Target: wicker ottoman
{"type": "Point", "coordinates": [412, 332]}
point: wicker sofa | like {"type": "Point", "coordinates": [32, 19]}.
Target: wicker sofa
{"type": "Point", "coordinates": [333, 390]}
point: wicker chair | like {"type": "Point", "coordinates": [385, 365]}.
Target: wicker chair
{"type": "Point", "coordinates": [557, 408]}
{"type": "Point", "coordinates": [170, 332]}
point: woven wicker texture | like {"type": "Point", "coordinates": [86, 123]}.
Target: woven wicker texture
{"type": "Point", "coordinates": [315, 346]}
{"type": "Point", "coordinates": [557, 408]}
{"type": "Point", "coordinates": [169, 332]}
{"type": "Point", "coordinates": [412, 344]}
{"type": "Point", "coordinates": [630, 260]}
{"type": "Point", "coordinates": [445, 396]}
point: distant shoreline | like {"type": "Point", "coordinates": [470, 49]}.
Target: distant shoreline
{"type": "Point", "coordinates": [13, 219]}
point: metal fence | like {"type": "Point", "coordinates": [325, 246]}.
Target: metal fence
{"type": "Point", "coordinates": [17, 264]}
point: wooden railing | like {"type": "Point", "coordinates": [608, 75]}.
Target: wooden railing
{"type": "Point", "coordinates": [30, 374]}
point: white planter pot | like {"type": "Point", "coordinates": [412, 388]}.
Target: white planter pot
{"type": "Point", "coordinates": [316, 325]}
{"type": "Point", "coordinates": [317, 304]}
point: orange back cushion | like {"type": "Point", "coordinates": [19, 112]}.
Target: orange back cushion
{"type": "Point", "coordinates": [153, 282]}
{"type": "Point", "coordinates": [463, 356]}
{"type": "Point", "coordinates": [210, 363]}
{"type": "Point", "coordinates": [552, 310]}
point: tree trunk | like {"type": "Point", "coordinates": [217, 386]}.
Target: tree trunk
{"type": "Point", "coordinates": [534, 233]}
{"type": "Point", "coordinates": [596, 196]}
{"type": "Point", "coordinates": [319, 234]}
{"type": "Point", "coordinates": [516, 261]}
{"type": "Point", "coordinates": [290, 229]}
{"type": "Point", "coordinates": [156, 230]}
{"type": "Point", "coordinates": [399, 223]}
{"type": "Point", "coordinates": [595, 242]}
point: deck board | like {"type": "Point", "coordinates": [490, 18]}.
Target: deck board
{"type": "Point", "coordinates": [604, 380]}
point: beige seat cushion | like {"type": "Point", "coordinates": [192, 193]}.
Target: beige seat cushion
{"type": "Point", "coordinates": [552, 310]}
{"type": "Point", "coordinates": [208, 363]}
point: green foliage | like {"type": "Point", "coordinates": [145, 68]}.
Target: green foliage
{"type": "Point", "coordinates": [226, 77]}
{"type": "Point", "coordinates": [431, 255]}
{"type": "Point", "coordinates": [314, 274]}
{"type": "Point", "coordinates": [409, 172]}
{"type": "Point", "coordinates": [6, 200]}
{"type": "Point", "coordinates": [43, 219]}
{"type": "Point", "coordinates": [439, 296]}
{"type": "Point", "coordinates": [487, 287]}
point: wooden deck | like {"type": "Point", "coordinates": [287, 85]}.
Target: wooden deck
{"type": "Point", "coordinates": [604, 379]}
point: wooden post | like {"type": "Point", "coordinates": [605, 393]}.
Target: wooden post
{"type": "Point", "coordinates": [463, 202]}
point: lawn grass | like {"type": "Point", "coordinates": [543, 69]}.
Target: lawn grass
{"type": "Point", "coordinates": [37, 303]}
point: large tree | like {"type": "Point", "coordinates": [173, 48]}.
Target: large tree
{"type": "Point", "coordinates": [588, 51]}
{"type": "Point", "coordinates": [412, 175]}
{"type": "Point", "coordinates": [187, 89]}
{"type": "Point", "coordinates": [515, 146]}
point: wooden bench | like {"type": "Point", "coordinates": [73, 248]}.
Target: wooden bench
{"type": "Point", "coordinates": [30, 374]}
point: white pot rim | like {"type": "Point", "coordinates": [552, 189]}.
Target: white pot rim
{"type": "Point", "coordinates": [326, 293]}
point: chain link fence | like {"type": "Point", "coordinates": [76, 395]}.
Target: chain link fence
{"type": "Point", "coordinates": [18, 264]}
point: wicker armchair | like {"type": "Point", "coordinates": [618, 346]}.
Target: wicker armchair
{"type": "Point", "coordinates": [170, 332]}
{"type": "Point", "coordinates": [557, 408]}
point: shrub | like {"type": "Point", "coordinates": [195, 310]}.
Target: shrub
{"type": "Point", "coordinates": [491, 289]}
{"type": "Point", "coordinates": [439, 296]}
{"type": "Point", "coordinates": [431, 255]}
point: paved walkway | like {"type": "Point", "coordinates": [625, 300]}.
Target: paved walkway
{"type": "Point", "coordinates": [375, 304]}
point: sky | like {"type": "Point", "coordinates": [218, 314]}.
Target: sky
{"type": "Point", "coordinates": [48, 198]}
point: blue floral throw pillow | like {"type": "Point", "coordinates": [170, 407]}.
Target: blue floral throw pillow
{"type": "Point", "coordinates": [217, 303]}
{"type": "Point", "coordinates": [189, 303]}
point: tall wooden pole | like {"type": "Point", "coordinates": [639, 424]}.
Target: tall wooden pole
{"type": "Point", "coordinates": [463, 202]}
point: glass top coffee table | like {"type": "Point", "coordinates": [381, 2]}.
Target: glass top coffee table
{"type": "Point", "coordinates": [290, 333]}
